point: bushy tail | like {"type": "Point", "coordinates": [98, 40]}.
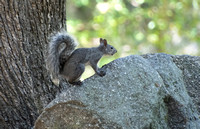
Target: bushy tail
{"type": "Point", "coordinates": [56, 52]}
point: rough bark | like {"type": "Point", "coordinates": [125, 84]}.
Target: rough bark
{"type": "Point", "coordinates": [25, 87]}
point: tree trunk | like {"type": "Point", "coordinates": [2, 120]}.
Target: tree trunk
{"type": "Point", "coordinates": [25, 87]}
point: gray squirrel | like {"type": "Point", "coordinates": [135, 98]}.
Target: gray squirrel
{"type": "Point", "coordinates": [64, 61]}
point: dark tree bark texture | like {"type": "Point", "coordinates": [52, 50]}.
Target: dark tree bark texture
{"type": "Point", "coordinates": [25, 86]}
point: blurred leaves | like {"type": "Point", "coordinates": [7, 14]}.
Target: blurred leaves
{"type": "Point", "coordinates": [137, 26]}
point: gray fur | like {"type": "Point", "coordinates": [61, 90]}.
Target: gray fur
{"type": "Point", "coordinates": [57, 55]}
{"type": "Point", "coordinates": [69, 63]}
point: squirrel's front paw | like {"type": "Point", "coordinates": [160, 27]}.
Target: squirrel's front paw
{"type": "Point", "coordinates": [101, 73]}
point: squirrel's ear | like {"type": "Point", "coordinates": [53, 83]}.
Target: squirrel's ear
{"type": "Point", "coordinates": [101, 40]}
{"type": "Point", "coordinates": [105, 42]}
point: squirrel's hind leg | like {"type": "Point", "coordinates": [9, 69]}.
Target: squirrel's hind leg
{"type": "Point", "coordinates": [74, 79]}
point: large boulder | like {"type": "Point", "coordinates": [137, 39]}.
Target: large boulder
{"type": "Point", "coordinates": [155, 91]}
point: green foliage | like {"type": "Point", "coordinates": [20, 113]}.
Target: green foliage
{"type": "Point", "coordinates": [137, 26]}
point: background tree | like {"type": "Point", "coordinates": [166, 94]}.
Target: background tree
{"type": "Point", "coordinates": [138, 26]}
{"type": "Point", "coordinates": [25, 87]}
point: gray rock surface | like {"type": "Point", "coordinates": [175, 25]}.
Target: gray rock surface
{"type": "Point", "coordinates": [190, 67]}
{"type": "Point", "coordinates": [154, 91]}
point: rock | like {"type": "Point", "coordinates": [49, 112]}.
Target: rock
{"type": "Point", "coordinates": [190, 67]}
{"type": "Point", "coordinates": [138, 92]}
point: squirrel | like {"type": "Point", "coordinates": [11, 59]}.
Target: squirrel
{"type": "Point", "coordinates": [69, 63]}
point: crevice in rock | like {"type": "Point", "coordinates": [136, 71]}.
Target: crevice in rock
{"type": "Point", "coordinates": [175, 116]}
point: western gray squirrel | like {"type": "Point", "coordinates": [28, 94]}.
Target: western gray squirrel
{"type": "Point", "coordinates": [64, 61]}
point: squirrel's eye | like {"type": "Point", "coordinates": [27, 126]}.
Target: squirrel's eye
{"type": "Point", "coordinates": [111, 47]}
